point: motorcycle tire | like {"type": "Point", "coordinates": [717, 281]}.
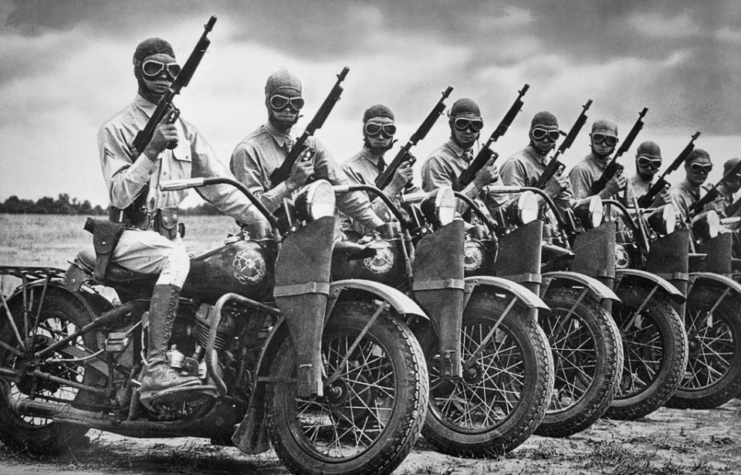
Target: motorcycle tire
{"type": "Point", "coordinates": [713, 374]}
{"type": "Point", "coordinates": [655, 348]}
{"type": "Point", "coordinates": [369, 419]}
{"type": "Point", "coordinates": [588, 356]}
{"type": "Point", "coordinates": [501, 398]}
{"type": "Point", "coordinates": [61, 315]}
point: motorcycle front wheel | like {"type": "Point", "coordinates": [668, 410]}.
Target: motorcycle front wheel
{"type": "Point", "coordinates": [655, 347]}
{"type": "Point", "coordinates": [60, 315]}
{"type": "Point", "coordinates": [370, 416]}
{"type": "Point", "coordinates": [588, 357]}
{"type": "Point", "coordinates": [507, 378]}
{"type": "Point", "coordinates": [713, 325]}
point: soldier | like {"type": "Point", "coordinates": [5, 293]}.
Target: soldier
{"type": "Point", "coordinates": [726, 189]}
{"type": "Point", "coordinates": [603, 139]}
{"type": "Point", "coordinates": [365, 166]}
{"type": "Point", "coordinates": [154, 246]}
{"type": "Point", "coordinates": [444, 165]}
{"type": "Point", "coordinates": [684, 194]}
{"type": "Point", "coordinates": [525, 167]}
{"type": "Point", "coordinates": [648, 162]}
{"type": "Point", "coordinates": [263, 151]}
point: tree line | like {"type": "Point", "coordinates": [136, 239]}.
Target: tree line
{"type": "Point", "coordinates": [64, 205]}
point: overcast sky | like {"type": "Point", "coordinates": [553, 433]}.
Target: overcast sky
{"type": "Point", "coordinates": [65, 67]}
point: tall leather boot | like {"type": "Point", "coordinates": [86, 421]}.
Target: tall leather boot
{"type": "Point", "coordinates": [159, 375]}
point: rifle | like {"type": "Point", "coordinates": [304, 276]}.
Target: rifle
{"type": "Point", "coordinates": [613, 167]}
{"type": "Point", "coordinates": [554, 165]}
{"type": "Point", "coordinates": [299, 148]}
{"type": "Point", "coordinates": [383, 180]}
{"type": "Point", "coordinates": [646, 200]}
{"type": "Point", "coordinates": [485, 154]}
{"type": "Point", "coordinates": [712, 193]}
{"type": "Point", "coordinates": [166, 110]}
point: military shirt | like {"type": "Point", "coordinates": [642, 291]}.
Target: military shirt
{"type": "Point", "coordinates": [583, 175]}
{"type": "Point", "coordinates": [363, 168]}
{"type": "Point", "coordinates": [524, 168]}
{"type": "Point", "coordinates": [126, 172]}
{"type": "Point", "coordinates": [684, 195]}
{"type": "Point", "coordinates": [263, 151]}
{"type": "Point", "coordinates": [444, 166]}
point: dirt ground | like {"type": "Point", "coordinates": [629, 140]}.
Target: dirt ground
{"type": "Point", "coordinates": [668, 441]}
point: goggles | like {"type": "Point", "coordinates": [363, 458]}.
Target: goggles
{"type": "Point", "coordinates": [697, 168]}
{"type": "Point", "coordinates": [279, 102]}
{"type": "Point", "coordinates": [373, 129]}
{"type": "Point", "coordinates": [461, 123]}
{"type": "Point", "coordinates": [646, 162]}
{"type": "Point", "coordinates": [153, 68]}
{"type": "Point", "coordinates": [608, 139]}
{"type": "Point", "coordinates": [540, 134]}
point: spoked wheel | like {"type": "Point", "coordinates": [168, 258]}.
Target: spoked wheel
{"type": "Point", "coordinates": [507, 377]}
{"type": "Point", "coordinates": [655, 346]}
{"type": "Point", "coordinates": [374, 401]}
{"type": "Point", "coordinates": [713, 325]}
{"type": "Point", "coordinates": [588, 357]}
{"type": "Point", "coordinates": [26, 333]}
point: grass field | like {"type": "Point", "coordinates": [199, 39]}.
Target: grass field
{"type": "Point", "coordinates": [54, 240]}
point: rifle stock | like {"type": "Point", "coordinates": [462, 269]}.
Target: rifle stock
{"type": "Point", "coordinates": [554, 165]}
{"type": "Point", "coordinates": [166, 110]}
{"type": "Point", "coordinates": [613, 167]}
{"type": "Point", "coordinates": [485, 154]}
{"type": "Point", "coordinates": [646, 200]}
{"type": "Point", "coordinates": [403, 156]}
{"type": "Point", "coordinates": [282, 173]}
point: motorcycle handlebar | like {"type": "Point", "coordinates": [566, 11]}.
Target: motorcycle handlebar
{"type": "Point", "coordinates": [171, 185]}
{"type": "Point", "coordinates": [341, 189]}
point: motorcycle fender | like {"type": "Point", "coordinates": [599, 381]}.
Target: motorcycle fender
{"type": "Point", "coordinates": [602, 291]}
{"type": "Point", "coordinates": [649, 280]}
{"type": "Point", "coordinates": [439, 289]}
{"type": "Point", "coordinates": [302, 273]}
{"type": "Point", "coordinates": [714, 280]}
{"type": "Point", "coordinates": [251, 435]}
{"type": "Point", "coordinates": [529, 298]}
{"type": "Point", "coordinates": [398, 301]}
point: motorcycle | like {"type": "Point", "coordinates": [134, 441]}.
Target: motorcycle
{"type": "Point", "coordinates": [489, 362]}
{"type": "Point", "coordinates": [326, 372]}
{"type": "Point", "coordinates": [711, 319]}
{"type": "Point", "coordinates": [649, 283]}
{"type": "Point", "coordinates": [583, 337]}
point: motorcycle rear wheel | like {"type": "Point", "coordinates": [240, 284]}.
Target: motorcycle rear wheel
{"type": "Point", "coordinates": [62, 314]}
{"type": "Point", "coordinates": [713, 374]}
{"type": "Point", "coordinates": [368, 420]}
{"type": "Point", "coordinates": [588, 357]}
{"type": "Point", "coordinates": [502, 397]}
{"type": "Point", "coordinates": [655, 347]}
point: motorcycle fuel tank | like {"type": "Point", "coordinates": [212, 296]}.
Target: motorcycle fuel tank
{"type": "Point", "coordinates": [242, 267]}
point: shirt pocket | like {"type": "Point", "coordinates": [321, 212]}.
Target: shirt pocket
{"type": "Point", "coordinates": [183, 160]}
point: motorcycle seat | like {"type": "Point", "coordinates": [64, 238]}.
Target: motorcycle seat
{"type": "Point", "coordinates": [117, 274]}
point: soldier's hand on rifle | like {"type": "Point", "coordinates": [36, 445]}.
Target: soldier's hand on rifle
{"type": "Point", "coordinates": [402, 176]}
{"type": "Point", "coordinates": [614, 185]}
{"type": "Point", "coordinates": [556, 184]}
{"type": "Point", "coordinates": [487, 175]}
{"type": "Point", "coordinates": [163, 135]}
{"type": "Point", "coordinates": [664, 198]}
{"type": "Point", "coordinates": [301, 170]}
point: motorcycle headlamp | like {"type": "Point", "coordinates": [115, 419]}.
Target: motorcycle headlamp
{"type": "Point", "coordinates": [523, 210]}
{"type": "Point", "coordinates": [706, 226]}
{"type": "Point", "coordinates": [663, 220]}
{"type": "Point", "coordinates": [315, 201]}
{"type": "Point", "coordinates": [589, 211]}
{"type": "Point", "coordinates": [439, 206]}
